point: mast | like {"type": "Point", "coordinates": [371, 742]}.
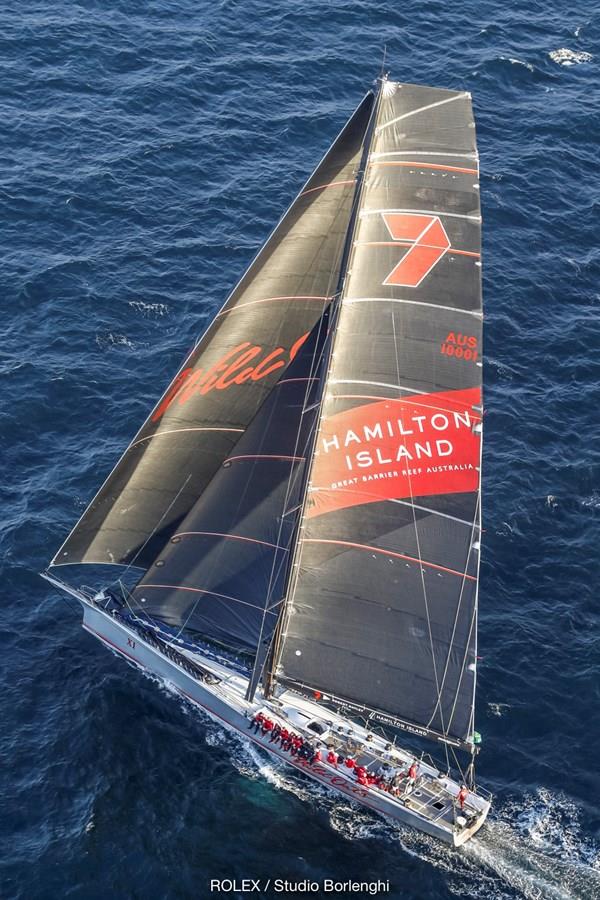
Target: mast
{"type": "Point", "coordinates": [382, 602]}
{"type": "Point", "coordinates": [271, 651]}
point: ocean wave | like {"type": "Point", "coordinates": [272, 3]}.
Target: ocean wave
{"type": "Point", "coordinates": [565, 57]}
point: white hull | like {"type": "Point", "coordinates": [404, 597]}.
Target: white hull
{"type": "Point", "coordinates": [225, 702]}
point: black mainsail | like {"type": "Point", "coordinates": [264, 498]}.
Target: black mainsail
{"type": "Point", "coordinates": [382, 604]}
{"type": "Point", "coordinates": [231, 371]}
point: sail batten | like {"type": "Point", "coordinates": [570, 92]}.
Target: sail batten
{"type": "Point", "coordinates": [382, 608]}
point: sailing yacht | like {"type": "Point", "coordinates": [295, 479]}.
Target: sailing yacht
{"type": "Point", "coordinates": [301, 509]}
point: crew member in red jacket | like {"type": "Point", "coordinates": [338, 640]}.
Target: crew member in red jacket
{"type": "Point", "coordinates": [257, 721]}
{"type": "Point", "coordinates": [462, 796]}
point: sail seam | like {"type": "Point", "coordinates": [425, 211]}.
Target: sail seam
{"type": "Point", "coordinates": [415, 112]}
{"type": "Point", "coordinates": [425, 212]}
{"type": "Point", "coordinates": [178, 431]}
{"type": "Point", "coordinates": [474, 156]}
{"type": "Point", "coordinates": [181, 587]}
{"type": "Point", "coordinates": [239, 306]}
{"type": "Point", "coordinates": [322, 187]}
{"type": "Point", "coordinates": [231, 537]}
{"type": "Point", "coordinates": [418, 165]}
{"type": "Point", "coordinates": [449, 250]}
{"type": "Point", "coordinates": [467, 312]}
{"type": "Point", "coordinates": [372, 549]}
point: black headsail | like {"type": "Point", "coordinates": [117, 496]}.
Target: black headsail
{"type": "Point", "coordinates": [222, 574]}
{"type": "Point", "coordinates": [223, 382]}
{"type": "Point", "coordinates": [382, 604]}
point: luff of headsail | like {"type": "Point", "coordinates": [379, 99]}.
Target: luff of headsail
{"type": "Point", "coordinates": [222, 574]}
{"type": "Point", "coordinates": [382, 609]}
{"type": "Point", "coordinates": [230, 372]}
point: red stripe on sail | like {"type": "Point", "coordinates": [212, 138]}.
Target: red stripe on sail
{"type": "Point", "coordinates": [452, 251]}
{"type": "Point", "coordinates": [322, 187]}
{"type": "Point", "coordinates": [231, 537]}
{"type": "Point", "coordinates": [420, 165]}
{"type": "Point", "coordinates": [421, 562]}
{"type": "Point", "coordinates": [264, 456]}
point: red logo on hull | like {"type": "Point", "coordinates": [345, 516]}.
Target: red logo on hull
{"type": "Point", "coordinates": [237, 366]}
{"type": "Point", "coordinates": [429, 243]}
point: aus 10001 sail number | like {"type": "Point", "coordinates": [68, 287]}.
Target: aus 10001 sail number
{"type": "Point", "coordinates": [461, 346]}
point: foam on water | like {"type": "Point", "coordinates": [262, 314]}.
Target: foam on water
{"type": "Point", "coordinates": [532, 844]}
{"type": "Point", "coordinates": [565, 57]}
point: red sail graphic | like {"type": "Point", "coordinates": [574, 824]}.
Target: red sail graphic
{"type": "Point", "coordinates": [393, 449]}
{"type": "Point", "coordinates": [430, 243]}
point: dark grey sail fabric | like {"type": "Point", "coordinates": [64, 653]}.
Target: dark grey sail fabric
{"type": "Point", "coordinates": [222, 573]}
{"type": "Point", "coordinates": [382, 611]}
{"type": "Point", "coordinates": [223, 382]}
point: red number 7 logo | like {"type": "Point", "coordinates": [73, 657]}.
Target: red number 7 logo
{"type": "Point", "coordinates": [428, 242]}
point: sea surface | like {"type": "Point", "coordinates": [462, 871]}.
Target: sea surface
{"type": "Point", "coordinates": [146, 150]}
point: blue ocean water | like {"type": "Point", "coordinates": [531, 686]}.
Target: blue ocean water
{"type": "Point", "coordinates": [146, 151]}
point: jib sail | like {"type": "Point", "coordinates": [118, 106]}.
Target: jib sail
{"type": "Point", "coordinates": [222, 574]}
{"type": "Point", "coordinates": [221, 385]}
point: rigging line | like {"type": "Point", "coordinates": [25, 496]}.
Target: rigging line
{"type": "Point", "coordinates": [456, 616]}
{"type": "Point", "coordinates": [473, 625]}
{"type": "Point", "coordinates": [372, 548]}
{"type": "Point", "coordinates": [329, 344]}
{"type": "Point", "coordinates": [409, 479]}
{"type": "Point", "coordinates": [462, 671]}
{"type": "Point", "coordinates": [155, 529]}
{"type": "Point", "coordinates": [377, 498]}
{"type": "Point", "coordinates": [205, 591]}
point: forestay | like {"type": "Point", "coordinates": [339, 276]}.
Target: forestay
{"type": "Point", "coordinates": [382, 603]}
{"type": "Point", "coordinates": [223, 382]}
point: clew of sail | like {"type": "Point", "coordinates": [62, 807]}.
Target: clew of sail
{"type": "Point", "coordinates": [230, 372]}
{"type": "Point", "coordinates": [382, 603]}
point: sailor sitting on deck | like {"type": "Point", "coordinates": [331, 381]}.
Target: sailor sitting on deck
{"type": "Point", "coordinates": [267, 726]}
{"type": "Point", "coordinates": [332, 757]}
{"type": "Point", "coordinates": [257, 721]}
